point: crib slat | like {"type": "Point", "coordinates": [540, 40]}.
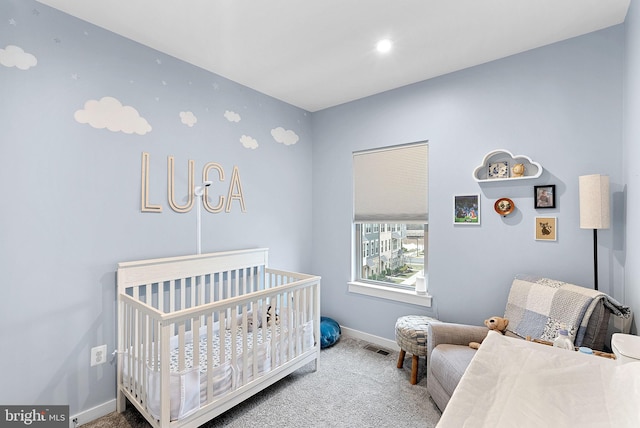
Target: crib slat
{"type": "Point", "coordinates": [234, 327]}
{"type": "Point", "coordinates": [158, 343]}
{"type": "Point", "coordinates": [222, 327]}
{"type": "Point", "coordinates": [146, 325]}
{"type": "Point", "coordinates": [236, 282]}
{"type": "Point", "coordinates": [256, 331]}
{"type": "Point", "coordinates": [222, 290]}
{"type": "Point", "coordinates": [291, 300]}
{"type": "Point", "coordinates": [277, 304]}
{"type": "Point", "coordinates": [183, 294]}
{"type": "Point", "coordinates": [181, 347]}
{"type": "Point", "coordinates": [201, 295]}
{"type": "Point", "coordinates": [192, 292]}
{"type": "Point", "coordinates": [210, 356]}
{"type": "Point", "coordinates": [219, 286]}
{"type": "Point", "coordinates": [244, 283]}
{"type": "Point", "coordinates": [196, 342]}
{"type": "Point", "coordinates": [161, 296]}
{"type": "Point", "coordinates": [172, 296]}
{"type": "Point", "coordinates": [275, 338]}
{"type": "Point", "coordinates": [245, 350]}
{"type": "Point", "coordinates": [128, 344]}
{"type": "Point", "coordinates": [139, 352]}
{"type": "Point", "coordinates": [165, 395]}
{"type": "Point", "coordinates": [264, 306]}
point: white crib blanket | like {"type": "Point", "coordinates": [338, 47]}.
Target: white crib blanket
{"type": "Point", "coordinates": [511, 382]}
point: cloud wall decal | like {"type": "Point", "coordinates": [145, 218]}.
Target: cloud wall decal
{"type": "Point", "coordinates": [249, 142]}
{"type": "Point", "coordinates": [109, 113]}
{"type": "Point", "coordinates": [188, 118]}
{"type": "Point", "coordinates": [14, 56]}
{"type": "Point", "coordinates": [284, 136]}
{"type": "Point", "coordinates": [232, 116]}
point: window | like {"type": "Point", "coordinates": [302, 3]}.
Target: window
{"type": "Point", "coordinates": [390, 216]}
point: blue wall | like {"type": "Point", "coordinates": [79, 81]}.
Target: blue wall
{"type": "Point", "coordinates": [560, 105]}
{"type": "Point", "coordinates": [71, 192]}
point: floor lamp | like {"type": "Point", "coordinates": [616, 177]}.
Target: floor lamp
{"type": "Point", "coordinates": [594, 210]}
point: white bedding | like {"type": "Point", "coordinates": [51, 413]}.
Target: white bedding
{"type": "Point", "coordinates": [514, 383]}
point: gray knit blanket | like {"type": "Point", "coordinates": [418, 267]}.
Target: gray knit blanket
{"type": "Point", "coordinates": [539, 307]}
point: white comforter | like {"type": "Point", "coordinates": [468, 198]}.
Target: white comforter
{"type": "Point", "coordinates": [515, 383]}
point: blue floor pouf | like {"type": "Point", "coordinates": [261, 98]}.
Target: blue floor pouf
{"type": "Point", "coordinates": [329, 332]}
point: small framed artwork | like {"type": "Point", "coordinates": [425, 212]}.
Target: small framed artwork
{"type": "Point", "coordinates": [498, 170]}
{"type": "Point", "coordinates": [546, 228]}
{"type": "Point", "coordinates": [466, 209]}
{"type": "Point", "coordinates": [545, 196]}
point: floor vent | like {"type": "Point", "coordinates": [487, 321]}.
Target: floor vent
{"type": "Point", "coordinates": [377, 350]}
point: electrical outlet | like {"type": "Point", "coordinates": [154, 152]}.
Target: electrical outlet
{"type": "Point", "coordinates": [98, 355]}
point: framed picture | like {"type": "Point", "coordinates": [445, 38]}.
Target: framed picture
{"type": "Point", "coordinates": [498, 170]}
{"type": "Point", "coordinates": [545, 196]}
{"type": "Point", "coordinates": [546, 228]}
{"type": "Point", "coordinates": [466, 209]}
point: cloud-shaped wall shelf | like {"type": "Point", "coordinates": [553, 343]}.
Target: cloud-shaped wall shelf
{"type": "Point", "coordinates": [498, 166]}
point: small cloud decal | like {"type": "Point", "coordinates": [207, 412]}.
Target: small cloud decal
{"type": "Point", "coordinates": [109, 113]}
{"type": "Point", "coordinates": [249, 142]}
{"type": "Point", "coordinates": [188, 118]}
{"type": "Point", "coordinates": [14, 56]}
{"type": "Point", "coordinates": [284, 136]}
{"type": "Point", "coordinates": [232, 116]}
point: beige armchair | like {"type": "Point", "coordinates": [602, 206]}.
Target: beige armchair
{"type": "Point", "coordinates": [583, 311]}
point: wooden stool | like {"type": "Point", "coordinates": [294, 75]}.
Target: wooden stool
{"type": "Point", "coordinates": [411, 335]}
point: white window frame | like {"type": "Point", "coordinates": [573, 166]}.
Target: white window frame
{"type": "Point", "coordinates": [377, 288]}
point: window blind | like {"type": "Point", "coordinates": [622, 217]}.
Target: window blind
{"type": "Point", "coordinates": [390, 184]}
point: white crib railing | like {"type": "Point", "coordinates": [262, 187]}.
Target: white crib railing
{"type": "Point", "coordinates": [270, 317]}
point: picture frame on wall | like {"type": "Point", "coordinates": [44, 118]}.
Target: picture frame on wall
{"type": "Point", "coordinates": [466, 209]}
{"type": "Point", "coordinates": [546, 228]}
{"type": "Point", "coordinates": [498, 170]}
{"type": "Point", "coordinates": [544, 196]}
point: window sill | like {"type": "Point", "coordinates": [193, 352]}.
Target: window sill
{"type": "Point", "coordinates": [398, 295]}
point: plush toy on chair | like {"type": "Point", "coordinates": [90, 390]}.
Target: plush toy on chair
{"type": "Point", "coordinates": [329, 332]}
{"type": "Point", "coordinates": [494, 323]}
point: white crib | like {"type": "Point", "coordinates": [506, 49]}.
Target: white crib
{"type": "Point", "coordinates": [199, 334]}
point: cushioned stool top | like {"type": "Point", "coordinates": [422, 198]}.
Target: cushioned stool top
{"type": "Point", "coordinates": [411, 333]}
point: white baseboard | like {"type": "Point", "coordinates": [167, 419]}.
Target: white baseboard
{"type": "Point", "coordinates": [92, 414]}
{"type": "Point", "coordinates": [376, 340]}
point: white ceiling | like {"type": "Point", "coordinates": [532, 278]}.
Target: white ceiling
{"type": "Point", "coordinates": [321, 53]}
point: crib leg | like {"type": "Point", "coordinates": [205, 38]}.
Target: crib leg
{"type": "Point", "coordinates": [121, 402]}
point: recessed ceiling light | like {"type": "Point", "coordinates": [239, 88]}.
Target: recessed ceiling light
{"type": "Point", "coordinates": [384, 46]}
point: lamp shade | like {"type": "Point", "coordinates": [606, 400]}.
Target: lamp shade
{"type": "Point", "coordinates": [594, 202]}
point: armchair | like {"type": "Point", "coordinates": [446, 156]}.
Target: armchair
{"type": "Point", "coordinates": [536, 307]}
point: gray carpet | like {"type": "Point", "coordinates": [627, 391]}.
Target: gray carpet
{"type": "Point", "coordinates": [353, 387]}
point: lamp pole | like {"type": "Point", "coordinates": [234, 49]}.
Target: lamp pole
{"type": "Point", "coordinates": [595, 259]}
